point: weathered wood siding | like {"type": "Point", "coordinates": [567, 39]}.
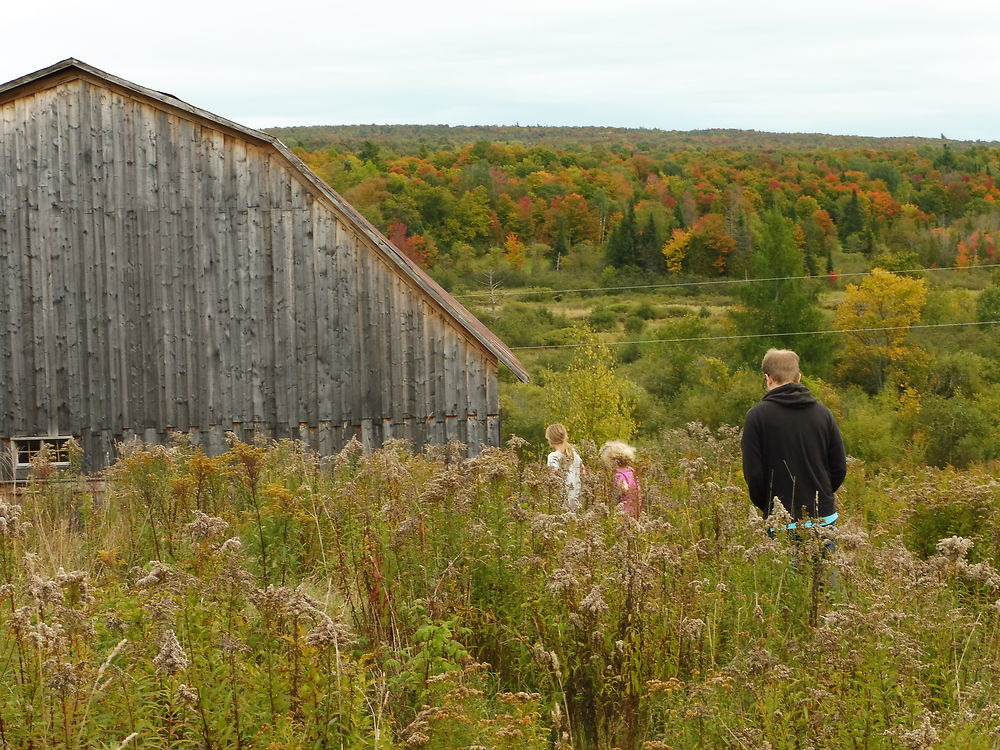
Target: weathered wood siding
{"type": "Point", "coordinates": [160, 273]}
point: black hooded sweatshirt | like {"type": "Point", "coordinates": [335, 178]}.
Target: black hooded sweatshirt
{"type": "Point", "coordinates": [792, 449]}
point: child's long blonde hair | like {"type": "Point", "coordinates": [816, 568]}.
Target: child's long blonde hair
{"type": "Point", "coordinates": [558, 437]}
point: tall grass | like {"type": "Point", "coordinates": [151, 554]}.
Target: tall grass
{"type": "Point", "coordinates": [272, 598]}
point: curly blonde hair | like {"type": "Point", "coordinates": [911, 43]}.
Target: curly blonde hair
{"type": "Point", "coordinates": [615, 453]}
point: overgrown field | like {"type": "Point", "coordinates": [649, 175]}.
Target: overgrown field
{"type": "Point", "coordinates": [269, 598]}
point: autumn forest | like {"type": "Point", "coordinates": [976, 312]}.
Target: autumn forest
{"type": "Point", "coordinates": [439, 196]}
{"type": "Point", "coordinates": [830, 234]}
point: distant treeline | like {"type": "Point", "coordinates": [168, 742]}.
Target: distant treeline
{"type": "Point", "coordinates": [658, 202]}
{"type": "Point", "coordinates": [412, 137]}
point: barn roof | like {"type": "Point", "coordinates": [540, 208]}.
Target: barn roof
{"type": "Point", "coordinates": [71, 69]}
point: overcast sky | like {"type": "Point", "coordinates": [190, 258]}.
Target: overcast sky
{"type": "Point", "coordinates": [852, 67]}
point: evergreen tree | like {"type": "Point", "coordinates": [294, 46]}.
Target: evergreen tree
{"type": "Point", "coordinates": [854, 218]}
{"type": "Point", "coordinates": [679, 216]}
{"type": "Point", "coordinates": [868, 242]}
{"type": "Point", "coordinates": [371, 152]}
{"type": "Point", "coordinates": [621, 247]}
{"type": "Point", "coordinates": [946, 159]}
{"type": "Point", "coordinates": [649, 244]}
{"type": "Point", "coordinates": [784, 305]}
{"type": "Point", "coordinates": [739, 214]}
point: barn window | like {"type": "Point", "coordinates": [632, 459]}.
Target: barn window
{"type": "Point", "coordinates": [25, 450]}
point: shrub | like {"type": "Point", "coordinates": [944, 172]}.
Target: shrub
{"type": "Point", "coordinates": [956, 431]}
{"type": "Point", "coordinates": [988, 304]}
{"type": "Point", "coordinates": [523, 408]}
{"type": "Point", "coordinates": [717, 397]}
{"type": "Point", "coordinates": [645, 311]}
{"type": "Point", "coordinates": [602, 319]}
{"type": "Point", "coordinates": [871, 433]}
{"type": "Point", "coordinates": [634, 324]}
{"type": "Point", "coordinates": [948, 503]}
{"type": "Point", "coordinates": [521, 324]}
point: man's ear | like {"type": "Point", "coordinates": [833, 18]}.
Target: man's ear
{"type": "Point", "coordinates": [798, 378]}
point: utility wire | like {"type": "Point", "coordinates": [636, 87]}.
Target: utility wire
{"type": "Point", "coordinates": [760, 335]}
{"type": "Point", "coordinates": [718, 282]}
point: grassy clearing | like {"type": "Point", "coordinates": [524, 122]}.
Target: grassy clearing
{"type": "Point", "coordinates": [270, 598]}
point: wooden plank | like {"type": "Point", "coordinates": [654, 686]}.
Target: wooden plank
{"type": "Point", "coordinates": [492, 389]}
{"type": "Point", "coordinates": [209, 288]}
{"type": "Point", "coordinates": [474, 405]}
{"type": "Point", "coordinates": [183, 251]}
{"type": "Point", "coordinates": [41, 291]}
{"type": "Point", "coordinates": [283, 340]}
{"type": "Point", "coordinates": [150, 368]}
{"type": "Point", "coordinates": [356, 329]}
{"type": "Point", "coordinates": [307, 262]}
{"type": "Point", "coordinates": [380, 365]}
{"type": "Point", "coordinates": [325, 438]}
{"type": "Point", "coordinates": [12, 227]}
{"type": "Point", "coordinates": [493, 429]}
{"type": "Point", "coordinates": [370, 302]}
{"type": "Point", "coordinates": [114, 196]}
{"type": "Point", "coordinates": [38, 292]}
{"type": "Point", "coordinates": [460, 375]}
{"type": "Point", "coordinates": [23, 354]}
{"type": "Point", "coordinates": [421, 350]}
{"type": "Point", "coordinates": [89, 315]}
{"type": "Point", "coordinates": [324, 234]}
{"type": "Point", "coordinates": [194, 191]}
{"type": "Point", "coordinates": [236, 302]}
{"type": "Point", "coordinates": [344, 326]}
{"type": "Point", "coordinates": [239, 400]}
{"type": "Point", "coordinates": [409, 354]}
{"type": "Point", "coordinates": [164, 243]}
{"type": "Point", "coordinates": [252, 331]}
{"type": "Point", "coordinates": [250, 359]}
{"type": "Point", "coordinates": [137, 286]}
{"type": "Point", "coordinates": [73, 321]}
{"type": "Point", "coordinates": [293, 279]}
{"type": "Point", "coordinates": [395, 370]}
{"type": "Point", "coordinates": [51, 202]}
{"type": "Point", "coordinates": [266, 294]}
{"type": "Point", "coordinates": [7, 255]}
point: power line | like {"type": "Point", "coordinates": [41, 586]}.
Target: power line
{"type": "Point", "coordinates": [717, 282]}
{"type": "Point", "coordinates": [761, 335]}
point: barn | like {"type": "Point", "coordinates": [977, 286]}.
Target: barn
{"type": "Point", "coordinates": [165, 269]}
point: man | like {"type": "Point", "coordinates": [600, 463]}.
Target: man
{"type": "Point", "coordinates": [792, 448]}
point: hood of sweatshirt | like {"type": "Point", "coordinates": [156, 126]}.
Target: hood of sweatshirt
{"type": "Point", "coordinates": [792, 395]}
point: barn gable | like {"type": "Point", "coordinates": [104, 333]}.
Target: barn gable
{"type": "Point", "coordinates": [162, 269]}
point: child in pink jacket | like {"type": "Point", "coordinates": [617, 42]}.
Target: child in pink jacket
{"type": "Point", "coordinates": [619, 457]}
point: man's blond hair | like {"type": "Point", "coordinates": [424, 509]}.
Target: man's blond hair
{"type": "Point", "coordinates": [782, 365]}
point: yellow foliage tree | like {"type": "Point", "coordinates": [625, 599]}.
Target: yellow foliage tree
{"type": "Point", "coordinates": [513, 250]}
{"type": "Point", "coordinates": [675, 250]}
{"type": "Point", "coordinates": [589, 397]}
{"type": "Point", "coordinates": [878, 313]}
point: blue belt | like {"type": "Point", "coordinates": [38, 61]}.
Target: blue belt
{"type": "Point", "coordinates": [827, 521]}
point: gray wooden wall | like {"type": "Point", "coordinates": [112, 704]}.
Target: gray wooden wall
{"type": "Point", "coordinates": [158, 272]}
